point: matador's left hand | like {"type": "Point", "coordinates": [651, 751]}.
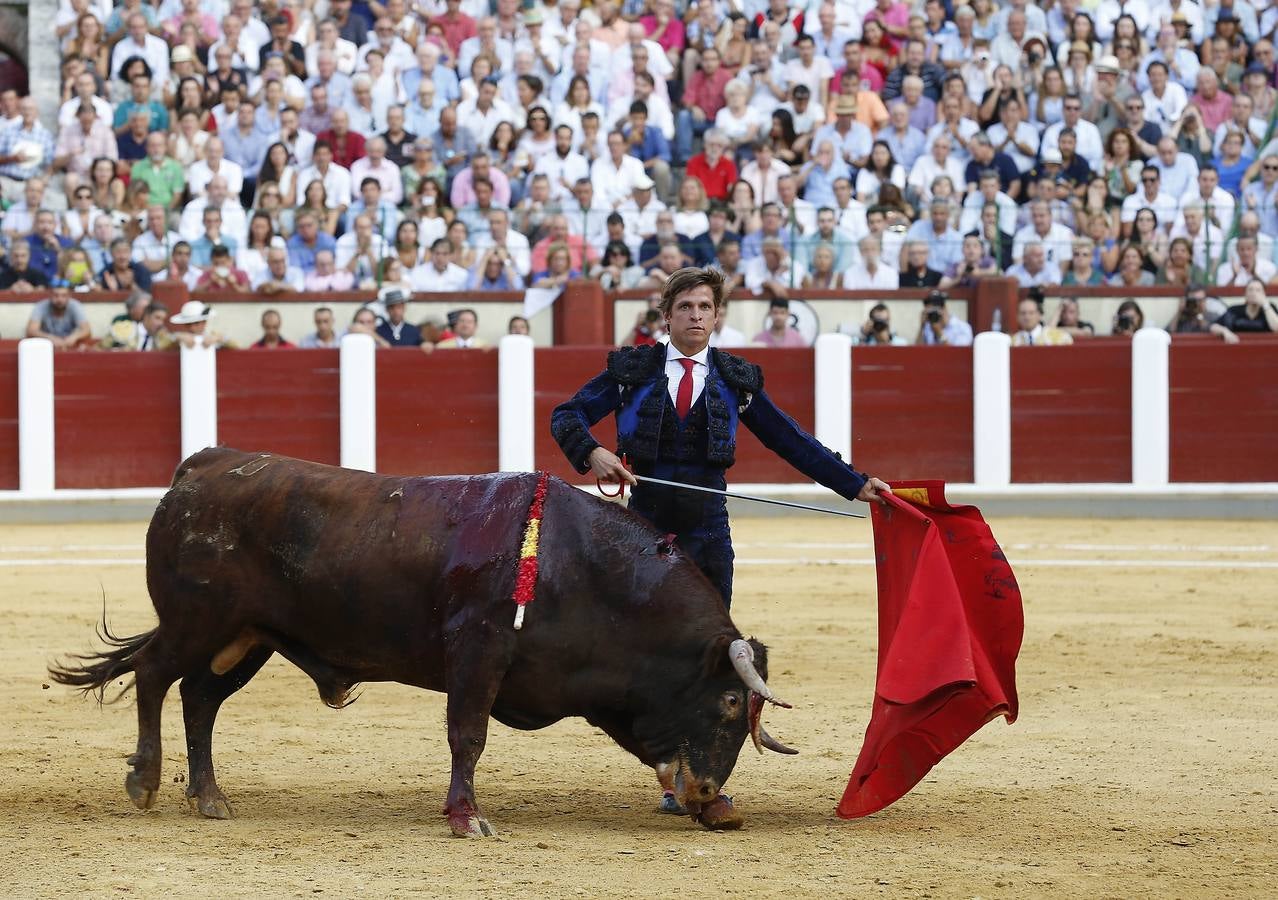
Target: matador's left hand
{"type": "Point", "coordinates": [871, 490]}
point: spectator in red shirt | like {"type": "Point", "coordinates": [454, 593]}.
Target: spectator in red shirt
{"type": "Point", "coordinates": [456, 25]}
{"type": "Point", "coordinates": [713, 167]}
{"type": "Point", "coordinates": [271, 339]}
{"type": "Point", "coordinates": [347, 145]}
{"type": "Point", "coordinates": [702, 99]}
{"type": "Point", "coordinates": [222, 275]}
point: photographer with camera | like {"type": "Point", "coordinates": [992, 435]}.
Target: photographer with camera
{"type": "Point", "coordinates": [1192, 317]}
{"type": "Point", "coordinates": [877, 329]}
{"type": "Point", "coordinates": [1129, 319]}
{"type": "Point", "coordinates": [937, 326]}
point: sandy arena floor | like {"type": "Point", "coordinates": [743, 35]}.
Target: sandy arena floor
{"type": "Point", "coordinates": [1143, 764]}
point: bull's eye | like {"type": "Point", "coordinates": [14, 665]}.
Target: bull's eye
{"type": "Point", "coordinates": [731, 704]}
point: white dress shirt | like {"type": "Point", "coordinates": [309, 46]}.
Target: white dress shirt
{"type": "Point", "coordinates": [674, 371]}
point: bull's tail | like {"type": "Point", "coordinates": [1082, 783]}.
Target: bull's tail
{"type": "Point", "coordinates": [92, 672]}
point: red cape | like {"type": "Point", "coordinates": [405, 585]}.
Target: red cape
{"type": "Point", "coordinates": [950, 627]}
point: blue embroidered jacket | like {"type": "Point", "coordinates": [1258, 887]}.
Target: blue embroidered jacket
{"type": "Point", "coordinates": [635, 388]}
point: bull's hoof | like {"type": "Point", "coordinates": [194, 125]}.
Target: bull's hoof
{"type": "Point", "coordinates": [143, 797]}
{"type": "Point", "coordinates": [671, 805]}
{"type": "Point", "coordinates": [720, 815]}
{"type": "Point", "coordinates": [211, 804]}
{"type": "Point", "coordinates": [464, 825]}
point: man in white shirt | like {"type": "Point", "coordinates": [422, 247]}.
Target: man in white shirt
{"type": "Point", "coordinates": [1090, 147]}
{"type": "Point", "coordinates": [86, 87]}
{"type": "Point", "coordinates": [500, 234]}
{"type": "Point", "coordinates": [988, 191]}
{"type": "Point", "coordinates": [483, 112]}
{"type": "Point", "coordinates": [616, 175]}
{"type": "Point", "coordinates": [137, 42]}
{"type": "Point", "coordinates": [1109, 12]}
{"type": "Point", "coordinates": [213, 165]}
{"type": "Point", "coordinates": [152, 247]}
{"type": "Point", "coordinates": [1164, 100]}
{"type": "Point", "coordinates": [564, 167]}
{"type": "Point", "coordinates": [1248, 266]}
{"type": "Point", "coordinates": [376, 165]}
{"type": "Point", "coordinates": [1056, 240]}
{"type": "Point", "coordinates": [216, 196]}
{"type": "Point", "coordinates": [585, 217]}
{"type": "Point", "coordinates": [397, 54]}
{"type": "Point", "coordinates": [337, 180]}
{"type": "Point", "coordinates": [1033, 269]}
{"type": "Point", "coordinates": [1014, 136]}
{"type": "Point", "coordinates": [439, 275]}
{"type": "Point", "coordinates": [1149, 196]}
{"type": "Point", "coordinates": [279, 277]}
{"type": "Point", "coordinates": [793, 207]}
{"type": "Point", "coordinates": [771, 269]}
{"type": "Point", "coordinates": [1218, 202]}
{"type": "Point", "coordinates": [1178, 171]}
{"type": "Point", "coordinates": [364, 242]}
{"type": "Point", "coordinates": [928, 167]}
{"type": "Point", "coordinates": [958, 128]}
{"type": "Point", "coordinates": [1208, 240]}
{"type": "Point", "coordinates": [640, 211]}
{"type": "Point", "coordinates": [871, 273]}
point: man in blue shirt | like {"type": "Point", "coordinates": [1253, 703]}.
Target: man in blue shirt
{"type": "Point", "coordinates": [307, 240]}
{"type": "Point", "coordinates": [46, 244]}
{"type": "Point", "coordinates": [245, 145]}
{"type": "Point", "coordinates": [140, 99]}
{"type": "Point", "coordinates": [650, 147]}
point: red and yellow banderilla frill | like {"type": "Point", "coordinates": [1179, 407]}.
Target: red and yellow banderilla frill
{"type": "Point", "coordinates": [526, 574]}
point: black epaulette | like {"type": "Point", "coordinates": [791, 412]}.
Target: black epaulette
{"type": "Point", "coordinates": [633, 366]}
{"type": "Point", "coordinates": [741, 374]}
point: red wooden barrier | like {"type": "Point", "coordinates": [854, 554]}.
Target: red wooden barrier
{"type": "Point", "coordinates": [1224, 411]}
{"type": "Point", "coordinates": [8, 420]}
{"type": "Point", "coordinates": [280, 401]}
{"type": "Point", "coordinates": [912, 412]}
{"type": "Point", "coordinates": [788, 379]}
{"type": "Point", "coordinates": [1072, 413]}
{"type": "Point", "coordinates": [117, 419]}
{"type": "Point", "coordinates": [437, 413]}
{"type": "Point", "coordinates": [559, 372]}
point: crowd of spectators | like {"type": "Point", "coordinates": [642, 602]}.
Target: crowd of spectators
{"type": "Point", "coordinates": [300, 146]}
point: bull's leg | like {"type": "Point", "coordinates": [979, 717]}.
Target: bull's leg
{"type": "Point", "coordinates": [473, 682]}
{"type": "Point", "coordinates": [155, 674]}
{"type": "Point", "coordinates": [203, 693]}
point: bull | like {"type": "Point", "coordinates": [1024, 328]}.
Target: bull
{"type": "Point", "coordinates": [355, 577]}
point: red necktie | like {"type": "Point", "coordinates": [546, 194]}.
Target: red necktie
{"type": "Point", "coordinates": [683, 400]}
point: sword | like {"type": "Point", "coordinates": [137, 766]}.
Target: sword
{"type": "Point", "coordinates": [732, 494]}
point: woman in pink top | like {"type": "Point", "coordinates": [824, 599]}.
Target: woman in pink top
{"type": "Point", "coordinates": [780, 332]}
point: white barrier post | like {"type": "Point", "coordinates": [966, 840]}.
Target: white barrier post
{"type": "Point", "coordinates": [35, 415]}
{"type": "Point", "coordinates": [358, 379]}
{"type": "Point", "coordinates": [199, 399]}
{"type": "Point", "coordinates": [992, 409]}
{"type": "Point", "coordinates": [516, 439]}
{"type": "Point", "coordinates": [1151, 407]}
{"type": "Point", "coordinates": [833, 386]}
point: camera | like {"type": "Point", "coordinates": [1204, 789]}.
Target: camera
{"type": "Point", "coordinates": [1034, 57]}
{"type": "Point", "coordinates": [1193, 306]}
{"type": "Point", "coordinates": [934, 316]}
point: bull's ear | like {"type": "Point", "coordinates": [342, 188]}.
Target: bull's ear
{"type": "Point", "coordinates": [760, 658]}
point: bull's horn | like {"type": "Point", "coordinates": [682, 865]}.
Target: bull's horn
{"type": "Point", "coordinates": [742, 656]}
{"type": "Point", "coordinates": [773, 744]}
